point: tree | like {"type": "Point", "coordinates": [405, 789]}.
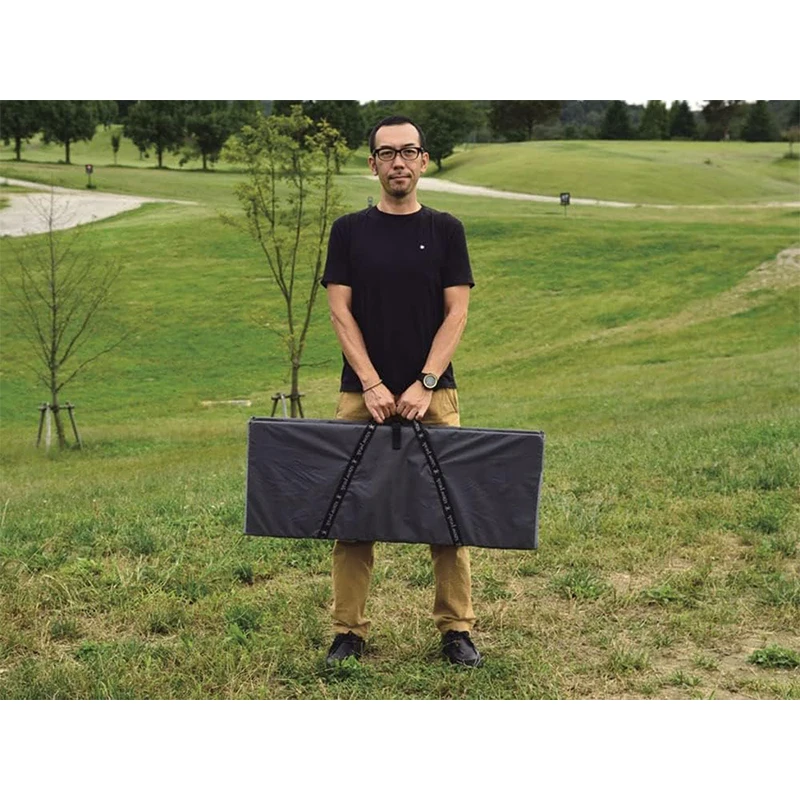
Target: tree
{"type": "Point", "coordinates": [514, 119]}
{"type": "Point", "coordinates": [156, 123]}
{"type": "Point", "coordinates": [19, 121]}
{"type": "Point", "coordinates": [760, 125]}
{"type": "Point", "coordinates": [719, 115]}
{"type": "Point", "coordinates": [655, 121]}
{"type": "Point", "coordinates": [107, 112]}
{"type": "Point", "coordinates": [59, 300]}
{"type": "Point", "coordinates": [344, 115]}
{"type": "Point", "coordinates": [289, 201]}
{"type": "Point", "coordinates": [792, 135]}
{"type": "Point", "coordinates": [208, 123]}
{"type": "Point", "coordinates": [616, 123]}
{"type": "Point", "coordinates": [68, 121]}
{"type": "Point", "coordinates": [116, 140]}
{"type": "Point", "coordinates": [681, 121]}
{"type": "Point", "coordinates": [445, 123]}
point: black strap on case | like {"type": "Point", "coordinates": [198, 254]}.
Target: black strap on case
{"type": "Point", "coordinates": [358, 454]}
{"type": "Point", "coordinates": [438, 481]}
{"type": "Point", "coordinates": [344, 483]}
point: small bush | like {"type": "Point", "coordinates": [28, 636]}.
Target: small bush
{"type": "Point", "coordinates": [580, 584]}
{"type": "Point", "coordinates": [775, 657]}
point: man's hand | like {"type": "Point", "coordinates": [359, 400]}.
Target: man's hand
{"type": "Point", "coordinates": [380, 403]}
{"type": "Point", "coordinates": [414, 401]}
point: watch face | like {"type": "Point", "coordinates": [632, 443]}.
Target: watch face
{"type": "Point", "coordinates": [430, 381]}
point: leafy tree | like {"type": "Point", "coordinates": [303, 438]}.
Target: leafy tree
{"type": "Point", "coordinates": [68, 121]}
{"type": "Point", "coordinates": [654, 123]}
{"type": "Point", "coordinates": [209, 124]}
{"type": "Point", "coordinates": [344, 115]}
{"type": "Point", "coordinates": [760, 125]}
{"type": "Point", "coordinates": [794, 114]}
{"type": "Point", "coordinates": [514, 119]}
{"type": "Point", "coordinates": [19, 121]}
{"type": "Point", "coordinates": [59, 299]}
{"type": "Point", "coordinates": [681, 121]}
{"type": "Point", "coordinates": [616, 123]}
{"type": "Point", "coordinates": [373, 112]}
{"type": "Point", "coordinates": [719, 115]}
{"type": "Point", "coordinates": [289, 202]}
{"type": "Point", "coordinates": [116, 140]}
{"type": "Point", "coordinates": [446, 123]}
{"type": "Point", "coordinates": [158, 124]}
{"type": "Point", "coordinates": [107, 112]}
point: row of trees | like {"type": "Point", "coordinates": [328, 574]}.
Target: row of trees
{"type": "Point", "coordinates": [752, 123]}
{"type": "Point", "coordinates": [197, 129]}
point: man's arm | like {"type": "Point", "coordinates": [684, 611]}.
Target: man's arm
{"type": "Point", "coordinates": [379, 400]}
{"type": "Point", "coordinates": [414, 401]}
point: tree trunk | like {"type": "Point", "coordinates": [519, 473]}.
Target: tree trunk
{"type": "Point", "coordinates": [159, 151]}
{"type": "Point", "coordinates": [295, 388]}
{"type": "Point", "coordinates": [66, 145]}
{"type": "Point", "coordinates": [54, 407]}
{"type": "Point", "coordinates": [18, 147]}
{"type": "Point", "coordinates": [205, 168]}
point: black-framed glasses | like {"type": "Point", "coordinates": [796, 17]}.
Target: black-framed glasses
{"type": "Point", "coordinates": [389, 153]}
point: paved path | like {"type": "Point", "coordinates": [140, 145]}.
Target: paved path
{"type": "Point", "coordinates": [28, 213]}
{"type": "Point", "coordinates": [441, 185]}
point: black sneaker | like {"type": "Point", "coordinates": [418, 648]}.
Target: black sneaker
{"type": "Point", "coordinates": [345, 645]}
{"type": "Point", "coordinates": [459, 649]}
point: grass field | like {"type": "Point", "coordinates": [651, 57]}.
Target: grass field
{"type": "Point", "coordinates": [704, 173]}
{"type": "Point", "coordinates": [656, 349]}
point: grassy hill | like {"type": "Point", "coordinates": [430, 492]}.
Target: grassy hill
{"type": "Point", "coordinates": [656, 349]}
{"type": "Point", "coordinates": [642, 172]}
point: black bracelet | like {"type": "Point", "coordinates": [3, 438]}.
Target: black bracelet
{"type": "Point", "coordinates": [372, 387]}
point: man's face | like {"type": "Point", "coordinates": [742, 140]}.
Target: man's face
{"type": "Point", "coordinates": [398, 176]}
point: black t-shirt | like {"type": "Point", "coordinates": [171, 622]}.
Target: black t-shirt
{"type": "Point", "coordinates": [397, 266]}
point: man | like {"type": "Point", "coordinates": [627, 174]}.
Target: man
{"type": "Point", "coordinates": [398, 279]}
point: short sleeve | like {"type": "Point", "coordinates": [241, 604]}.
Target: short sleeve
{"type": "Point", "coordinates": [337, 264]}
{"type": "Point", "coordinates": [456, 270]}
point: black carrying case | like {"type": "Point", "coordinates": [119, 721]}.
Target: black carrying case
{"type": "Point", "coordinates": [396, 482]}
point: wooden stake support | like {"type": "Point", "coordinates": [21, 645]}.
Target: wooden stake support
{"type": "Point", "coordinates": [282, 397]}
{"type": "Point", "coordinates": [45, 412]}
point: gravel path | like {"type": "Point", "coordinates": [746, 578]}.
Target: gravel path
{"type": "Point", "coordinates": [27, 213]}
{"type": "Point", "coordinates": [441, 185]}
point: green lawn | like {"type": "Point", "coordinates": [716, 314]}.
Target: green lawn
{"type": "Point", "coordinates": [660, 362]}
{"type": "Point", "coordinates": [704, 173]}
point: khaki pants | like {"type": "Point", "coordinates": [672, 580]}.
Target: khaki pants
{"type": "Point", "coordinates": [352, 561]}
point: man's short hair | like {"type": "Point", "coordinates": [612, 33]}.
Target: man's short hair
{"type": "Point", "coordinates": [396, 119]}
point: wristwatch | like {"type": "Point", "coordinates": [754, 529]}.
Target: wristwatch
{"type": "Point", "coordinates": [429, 380]}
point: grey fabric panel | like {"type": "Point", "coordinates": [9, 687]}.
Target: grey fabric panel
{"type": "Point", "coordinates": [493, 478]}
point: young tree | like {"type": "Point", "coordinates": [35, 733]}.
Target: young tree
{"type": "Point", "coordinates": [158, 124]}
{"type": "Point", "coordinates": [289, 201]}
{"type": "Point", "coordinates": [655, 121]}
{"type": "Point", "coordinates": [760, 125]}
{"type": "Point", "coordinates": [514, 119]}
{"type": "Point", "coordinates": [116, 140]}
{"type": "Point", "coordinates": [68, 121]}
{"type": "Point", "coordinates": [616, 123]}
{"type": "Point", "coordinates": [19, 121]}
{"type": "Point", "coordinates": [59, 297]}
{"type": "Point", "coordinates": [681, 121]}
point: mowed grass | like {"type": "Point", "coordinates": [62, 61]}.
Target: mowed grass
{"type": "Point", "coordinates": [657, 357]}
{"type": "Point", "coordinates": [717, 173]}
